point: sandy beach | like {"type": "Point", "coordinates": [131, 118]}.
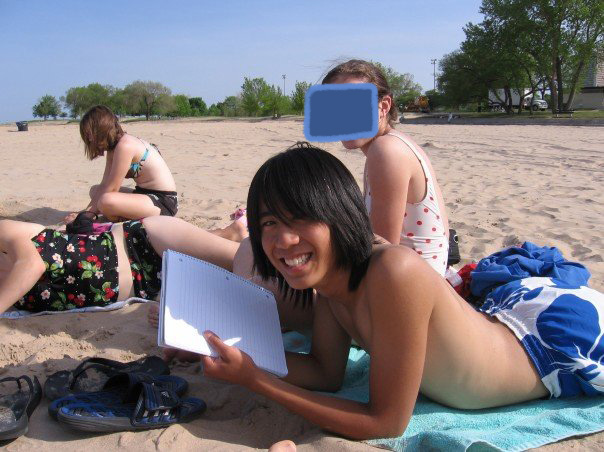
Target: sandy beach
{"type": "Point", "coordinates": [502, 184]}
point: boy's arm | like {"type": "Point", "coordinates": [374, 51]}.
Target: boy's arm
{"type": "Point", "coordinates": [323, 368]}
{"type": "Point", "coordinates": [26, 265]}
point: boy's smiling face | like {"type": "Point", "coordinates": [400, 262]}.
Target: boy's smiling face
{"type": "Point", "coordinates": [300, 249]}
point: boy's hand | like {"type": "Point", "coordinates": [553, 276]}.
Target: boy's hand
{"type": "Point", "coordinates": [231, 365]}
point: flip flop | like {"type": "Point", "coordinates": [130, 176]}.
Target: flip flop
{"type": "Point", "coordinates": [68, 382]}
{"type": "Point", "coordinates": [16, 408]}
{"type": "Point", "coordinates": [147, 405]}
{"type": "Point", "coordinates": [116, 388]}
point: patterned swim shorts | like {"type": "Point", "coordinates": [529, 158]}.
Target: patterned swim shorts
{"type": "Point", "coordinates": [561, 327]}
{"type": "Point", "coordinates": [145, 263]}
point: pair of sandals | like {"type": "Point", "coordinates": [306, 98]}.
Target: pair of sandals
{"type": "Point", "coordinates": [139, 395]}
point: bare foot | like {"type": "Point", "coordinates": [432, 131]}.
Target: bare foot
{"type": "Point", "coordinates": [283, 446]}
{"type": "Point", "coordinates": [236, 231]}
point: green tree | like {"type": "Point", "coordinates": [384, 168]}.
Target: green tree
{"type": "Point", "coordinates": [560, 35]}
{"type": "Point", "coordinates": [459, 79]}
{"type": "Point", "coordinates": [80, 98]}
{"type": "Point", "coordinates": [274, 103]}
{"type": "Point", "coordinates": [213, 110]}
{"type": "Point", "coordinates": [47, 106]}
{"type": "Point", "coordinates": [230, 106]}
{"type": "Point", "coordinates": [298, 97]}
{"type": "Point", "coordinates": [148, 98]}
{"type": "Point", "coordinates": [182, 108]}
{"type": "Point", "coordinates": [490, 58]}
{"type": "Point", "coordinates": [253, 93]}
{"type": "Point", "coordinates": [76, 100]}
{"type": "Point", "coordinates": [403, 87]}
{"type": "Point", "coordinates": [198, 106]}
{"type": "Point", "coordinates": [117, 101]}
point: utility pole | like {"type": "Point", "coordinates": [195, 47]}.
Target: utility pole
{"type": "Point", "coordinates": [433, 61]}
{"type": "Point", "coordinates": [283, 84]}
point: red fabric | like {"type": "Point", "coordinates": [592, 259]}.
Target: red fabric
{"type": "Point", "coordinates": [465, 274]}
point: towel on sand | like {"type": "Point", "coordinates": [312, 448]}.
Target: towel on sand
{"type": "Point", "coordinates": [510, 428]}
{"type": "Point", "coordinates": [13, 313]}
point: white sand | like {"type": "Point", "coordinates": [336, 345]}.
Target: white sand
{"type": "Point", "coordinates": [502, 185]}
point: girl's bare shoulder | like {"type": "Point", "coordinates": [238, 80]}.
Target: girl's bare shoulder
{"type": "Point", "coordinates": [128, 144]}
{"type": "Point", "coordinates": [388, 148]}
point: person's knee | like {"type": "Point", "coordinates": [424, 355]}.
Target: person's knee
{"type": "Point", "coordinates": [107, 203]}
{"type": "Point", "coordinates": [93, 190]}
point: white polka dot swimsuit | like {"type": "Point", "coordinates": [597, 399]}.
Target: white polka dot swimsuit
{"type": "Point", "coordinates": [423, 226]}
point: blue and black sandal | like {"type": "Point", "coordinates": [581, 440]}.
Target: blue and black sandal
{"type": "Point", "coordinates": [16, 407]}
{"type": "Point", "coordinates": [147, 405]}
{"type": "Point", "coordinates": [92, 373]}
{"type": "Point", "coordinates": [116, 388]}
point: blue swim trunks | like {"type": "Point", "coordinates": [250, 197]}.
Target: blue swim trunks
{"type": "Point", "coordinates": [561, 327]}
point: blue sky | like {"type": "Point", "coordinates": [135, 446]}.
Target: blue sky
{"type": "Point", "coordinates": [206, 48]}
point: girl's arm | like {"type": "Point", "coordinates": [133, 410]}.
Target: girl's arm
{"type": "Point", "coordinates": [26, 265]}
{"type": "Point", "coordinates": [116, 167]}
{"type": "Point", "coordinates": [389, 174]}
{"type": "Point", "coordinates": [93, 200]}
{"type": "Point", "coordinates": [399, 326]}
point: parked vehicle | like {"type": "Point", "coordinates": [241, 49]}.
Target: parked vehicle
{"type": "Point", "coordinates": [420, 103]}
{"type": "Point", "coordinates": [497, 100]}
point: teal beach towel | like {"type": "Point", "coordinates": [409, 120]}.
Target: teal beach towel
{"type": "Point", "coordinates": [510, 428]}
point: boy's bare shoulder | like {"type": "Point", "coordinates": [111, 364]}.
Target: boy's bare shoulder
{"type": "Point", "coordinates": [394, 261]}
{"type": "Point", "coordinates": [396, 281]}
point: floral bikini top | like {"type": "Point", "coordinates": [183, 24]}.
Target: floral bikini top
{"type": "Point", "coordinates": [81, 271]}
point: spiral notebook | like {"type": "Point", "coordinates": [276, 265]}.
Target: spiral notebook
{"type": "Point", "coordinates": [197, 296]}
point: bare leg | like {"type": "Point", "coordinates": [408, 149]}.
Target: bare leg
{"type": "Point", "coordinates": [117, 205]}
{"type": "Point", "coordinates": [175, 234]}
{"type": "Point", "coordinates": [21, 263]}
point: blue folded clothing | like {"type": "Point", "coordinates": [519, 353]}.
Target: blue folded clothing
{"type": "Point", "coordinates": [514, 263]}
{"type": "Point", "coordinates": [437, 427]}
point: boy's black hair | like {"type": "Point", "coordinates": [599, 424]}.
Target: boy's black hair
{"type": "Point", "coordinates": [305, 182]}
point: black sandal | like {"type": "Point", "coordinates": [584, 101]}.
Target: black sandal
{"type": "Point", "coordinates": [67, 382]}
{"type": "Point", "coordinates": [16, 408]}
{"type": "Point", "coordinates": [148, 403]}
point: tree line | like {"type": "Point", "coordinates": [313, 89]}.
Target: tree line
{"type": "Point", "coordinates": [543, 45]}
{"type": "Point", "coordinates": [148, 98]}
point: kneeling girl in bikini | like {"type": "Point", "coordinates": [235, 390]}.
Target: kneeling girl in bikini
{"type": "Point", "coordinates": [127, 157]}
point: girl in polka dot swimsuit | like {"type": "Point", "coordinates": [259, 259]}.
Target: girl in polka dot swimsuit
{"type": "Point", "coordinates": [402, 195]}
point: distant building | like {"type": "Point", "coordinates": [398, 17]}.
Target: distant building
{"type": "Point", "coordinates": [591, 95]}
{"type": "Point", "coordinates": [595, 73]}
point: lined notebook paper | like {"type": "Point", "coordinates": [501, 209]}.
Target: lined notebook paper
{"type": "Point", "coordinates": [197, 296]}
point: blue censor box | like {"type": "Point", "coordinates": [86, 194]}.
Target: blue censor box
{"type": "Point", "coordinates": [340, 112]}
